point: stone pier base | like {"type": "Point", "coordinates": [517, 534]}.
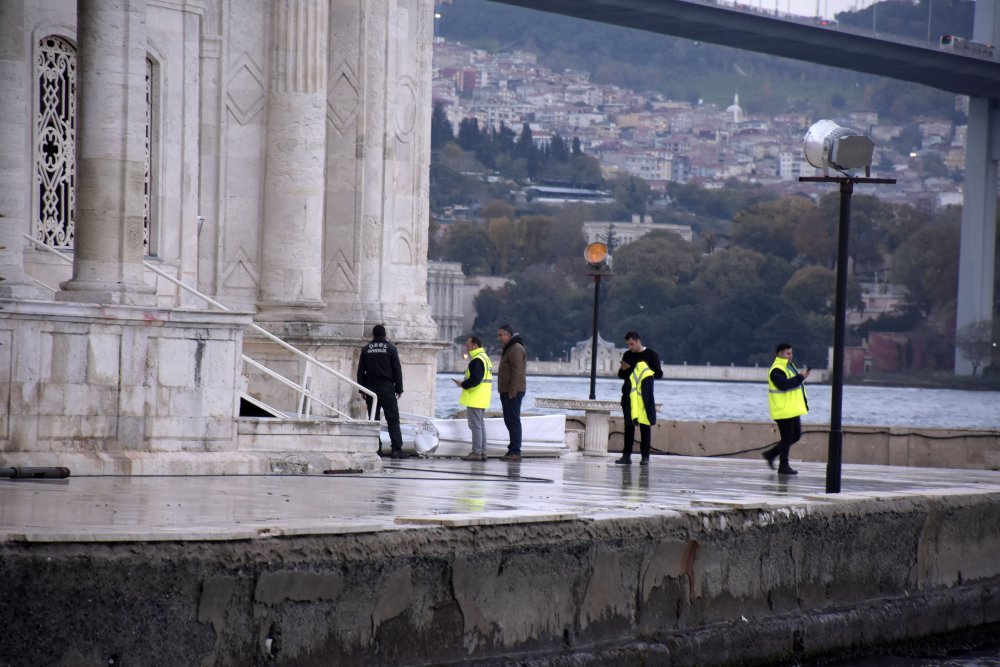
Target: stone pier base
{"type": "Point", "coordinates": [717, 585]}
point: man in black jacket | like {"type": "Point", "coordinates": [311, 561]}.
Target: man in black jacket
{"type": "Point", "coordinates": [640, 365]}
{"type": "Point", "coordinates": [379, 371]}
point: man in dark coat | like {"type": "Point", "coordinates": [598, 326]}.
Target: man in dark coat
{"type": "Point", "coordinates": [641, 360]}
{"type": "Point", "coordinates": [379, 371]}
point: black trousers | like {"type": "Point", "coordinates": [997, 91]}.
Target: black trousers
{"type": "Point", "coordinates": [790, 431]}
{"type": "Point", "coordinates": [388, 406]}
{"type": "Point", "coordinates": [645, 433]}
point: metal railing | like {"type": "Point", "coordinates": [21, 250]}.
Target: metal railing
{"type": "Point", "coordinates": [306, 396]}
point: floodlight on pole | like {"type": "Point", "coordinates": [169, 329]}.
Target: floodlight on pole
{"type": "Point", "coordinates": [828, 145]}
{"type": "Point", "coordinates": [599, 260]}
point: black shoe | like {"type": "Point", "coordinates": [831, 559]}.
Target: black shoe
{"type": "Point", "coordinates": [787, 470]}
{"type": "Point", "coordinates": [769, 457]}
{"type": "Point", "coordinates": [399, 454]}
{"type": "Point", "coordinates": [644, 461]}
{"type": "Point", "coordinates": [624, 461]}
{"type": "Point", "coordinates": [511, 456]}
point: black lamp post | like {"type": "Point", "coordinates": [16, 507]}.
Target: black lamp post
{"type": "Point", "coordinates": [599, 261]}
{"type": "Point", "coordinates": [829, 145]}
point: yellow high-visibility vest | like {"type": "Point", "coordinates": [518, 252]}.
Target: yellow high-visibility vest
{"type": "Point", "coordinates": [785, 404]}
{"type": "Point", "coordinates": [636, 404]}
{"type": "Point", "coordinates": [479, 396]}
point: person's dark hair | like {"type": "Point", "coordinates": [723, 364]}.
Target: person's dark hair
{"type": "Point", "coordinates": [782, 347]}
{"type": "Point", "coordinates": [475, 341]}
{"type": "Point", "coordinates": [633, 335]}
{"type": "Point", "coordinates": [378, 331]}
{"type": "Point", "coordinates": [506, 327]}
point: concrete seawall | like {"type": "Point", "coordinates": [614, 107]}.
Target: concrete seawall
{"type": "Point", "coordinates": [923, 447]}
{"type": "Point", "coordinates": [716, 582]}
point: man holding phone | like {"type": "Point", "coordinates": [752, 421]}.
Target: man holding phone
{"type": "Point", "coordinates": [638, 368]}
{"type": "Point", "coordinates": [787, 402]}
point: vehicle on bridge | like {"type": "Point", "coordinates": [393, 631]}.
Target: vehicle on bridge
{"type": "Point", "coordinates": [966, 46]}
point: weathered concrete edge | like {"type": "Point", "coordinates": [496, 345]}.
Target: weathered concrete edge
{"type": "Point", "coordinates": [808, 580]}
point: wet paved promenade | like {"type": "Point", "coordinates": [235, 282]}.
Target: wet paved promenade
{"type": "Point", "coordinates": [436, 492]}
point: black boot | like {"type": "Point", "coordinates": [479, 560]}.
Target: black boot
{"type": "Point", "coordinates": [769, 455]}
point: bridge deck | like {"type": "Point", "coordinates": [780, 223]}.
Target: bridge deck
{"type": "Point", "coordinates": [847, 48]}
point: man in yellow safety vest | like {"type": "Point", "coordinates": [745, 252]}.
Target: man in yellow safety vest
{"type": "Point", "coordinates": [477, 388]}
{"type": "Point", "coordinates": [639, 366]}
{"type": "Point", "coordinates": [787, 402]}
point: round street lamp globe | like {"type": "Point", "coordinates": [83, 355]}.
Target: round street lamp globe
{"type": "Point", "coordinates": [596, 254]}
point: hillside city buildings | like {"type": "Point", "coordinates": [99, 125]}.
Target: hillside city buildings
{"type": "Point", "coordinates": [661, 140]}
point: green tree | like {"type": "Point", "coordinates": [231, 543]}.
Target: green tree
{"type": "Point", "coordinates": [490, 308]}
{"type": "Point", "coordinates": [496, 208]}
{"type": "Point", "coordinates": [927, 265]}
{"type": "Point", "coordinates": [723, 204]}
{"type": "Point", "coordinates": [441, 130]}
{"type": "Point", "coordinates": [448, 188]}
{"type": "Point", "coordinates": [814, 290]}
{"type": "Point", "coordinates": [469, 136]}
{"type": "Point", "coordinates": [660, 254]}
{"type": "Point", "coordinates": [503, 244]}
{"type": "Point", "coordinates": [644, 302]}
{"type": "Point", "coordinates": [542, 306]}
{"type": "Point", "coordinates": [631, 192]}
{"type": "Point", "coordinates": [585, 172]}
{"type": "Point", "coordinates": [815, 237]}
{"type": "Point", "coordinates": [547, 240]}
{"type": "Point", "coordinates": [557, 149]}
{"type": "Point", "coordinates": [977, 341]}
{"type": "Point", "coordinates": [768, 227]}
{"type": "Point", "coordinates": [467, 242]}
{"type": "Point", "coordinates": [729, 271]}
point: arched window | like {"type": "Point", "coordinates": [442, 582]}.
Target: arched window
{"type": "Point", "coordinates": [55, 142]}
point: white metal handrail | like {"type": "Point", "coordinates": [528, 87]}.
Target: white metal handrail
{"type": "Point", "coordinates": [294, 385]}
{"type": "Point", "coordinates": [264, 332]}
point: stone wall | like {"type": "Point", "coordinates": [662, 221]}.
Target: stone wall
{"type": "Point", "coordinates": [754, 585]}
{"type": "Point", "coordinates": [95, 388]}
{"type": "Point", "coordinates": [935, 448]}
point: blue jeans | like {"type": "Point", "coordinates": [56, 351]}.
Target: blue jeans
{"type": "Point", "coordinates": [512, 420]}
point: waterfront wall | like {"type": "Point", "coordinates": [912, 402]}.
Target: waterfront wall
{"type": "Point", "coordinates": [670, 372]}
{"type": "Point", "coordinates": [923, 447]}
{"type": "Point", "coordinates": [706, 585]}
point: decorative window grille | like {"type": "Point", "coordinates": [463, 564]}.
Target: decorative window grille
{"type": "Point", "coordinates": [55, 142]}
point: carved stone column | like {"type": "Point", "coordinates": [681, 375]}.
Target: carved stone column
{"type": "Point", "coordinates": [110, 154]}
{"type": "Point", "coordinates": [15, 188]}
{"type": "Point", "coordinates": [292, 238]}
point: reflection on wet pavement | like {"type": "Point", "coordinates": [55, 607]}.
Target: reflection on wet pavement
{"type": "Point", "coordinates": [240, 507]}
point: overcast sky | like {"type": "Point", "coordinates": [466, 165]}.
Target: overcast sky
{"type": "Point", "coordinates": [825, 8]}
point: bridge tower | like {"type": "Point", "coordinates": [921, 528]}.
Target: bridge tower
{"type": "Point", "coordinates": [976, 260]}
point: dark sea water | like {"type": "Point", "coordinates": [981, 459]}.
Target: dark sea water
{"type": "Point", "coordinates": [687, 400]}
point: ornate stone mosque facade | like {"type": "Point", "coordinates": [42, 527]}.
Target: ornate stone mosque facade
{"type": "Point", "coordinates": [271, 154]}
